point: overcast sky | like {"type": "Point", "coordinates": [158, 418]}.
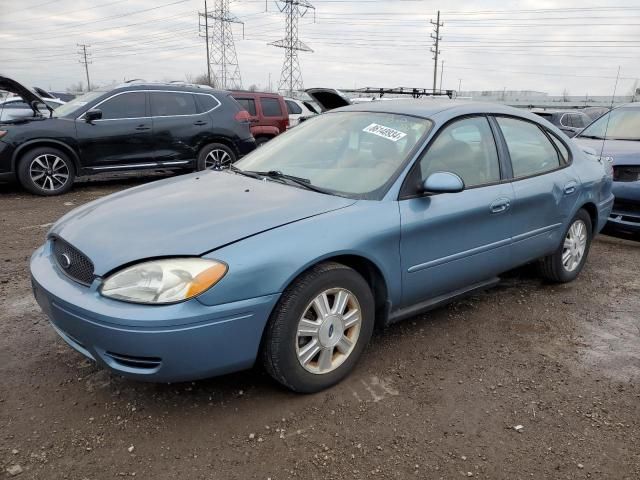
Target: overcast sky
{"type": "Point", "coordinates": [540, 45]}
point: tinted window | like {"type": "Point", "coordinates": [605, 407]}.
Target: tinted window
{"type": "Point", "coordinates": [312, 107]}
{"type": "Point", "coordinates": [125, 105]}
{"type": "Point", "coordinates": [293, 107]}
{"type": "Point", "coordinates": [271, 107]}
{"type": "Point", "coordinates": [205, 102]}
{"type": "Point", "coordinates": [249, 104]}
{"type": "Point", "coordinates": [164, 104]}
{"type": "Point", "coordinates": [579, 120]}
{"type": "Point", "coordinates": [530, 150]}
{"type": "Point", "coordinates": [466, 148]}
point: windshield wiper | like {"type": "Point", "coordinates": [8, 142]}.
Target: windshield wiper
{"type": "Point", "coordinates": [246, 173]}
{"type": "Point", "coordinates": [595, 137]}
{"type": "Point", "coordinates": [303, 182]}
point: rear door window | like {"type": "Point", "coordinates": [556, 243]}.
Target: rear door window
{"type": "Point", "coordinates": [249, 104]}
{"type": "Point", "coordinates": [270, 107]}
{"type": "Point", "coordinates": [167, 104]}
{"type": "Point", "coordinates": [530, 149]}
{"type": "Point", "coordinates": [125, 105]}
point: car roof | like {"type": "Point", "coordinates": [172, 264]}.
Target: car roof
{"type": "Point", "coordinates": [178, 86]}
{"type": "Point", "coordinates": [429, 108]}
{"type": "Point", "coordinates": [253, 93]}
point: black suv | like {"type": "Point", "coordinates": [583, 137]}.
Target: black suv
{"type": "Point", "coordinates": [134, 126]}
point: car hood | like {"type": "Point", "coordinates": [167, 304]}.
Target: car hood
{"type": "Point", "coordinates": [27, 95]}
{"type": "Point", "coordinates": [623, 152]}
{"type": "Point", "coordinates": [188, 215]}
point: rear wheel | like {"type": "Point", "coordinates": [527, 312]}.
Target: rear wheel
{"type": "Point", "coordinates": [319, 328]}
{"type": "Point", "coordinates": [216, 156]}
{"type": "Point", "coordinates": [46, 171]}
{"type": "Point", "coordinates": [568, 260]}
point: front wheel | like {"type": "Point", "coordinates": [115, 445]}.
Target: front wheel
{"type": "Point", "coordinates": [568, 260]}
{"type": "Point", "coordinates": [46, 171]}
{"type": "Point", "coordinates": [216, 156]}
{"type": "Point", "coordinates": [319, 328]}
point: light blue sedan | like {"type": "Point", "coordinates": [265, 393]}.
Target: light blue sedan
{"type": "Point", "coordinates": [358, 217]}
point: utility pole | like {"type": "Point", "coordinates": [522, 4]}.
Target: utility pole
{"type": "Point", "coordinates": [84, 59]}
{"type": "Point", "coordinates": [441, 72]}
{"type": "Point", "coordinates": [435, 49]}
{"type": "Point", "coordinates": [291, 75]}
{"type": "Point", "coordinates": [459, 85]}
{"type": "Point", "coordinates": [222, 61]}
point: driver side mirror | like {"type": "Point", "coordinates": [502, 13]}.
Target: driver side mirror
{"type": "Point", "coordinates": [93, 114]}
{"type": "Point", "coordinates": [442, 182]}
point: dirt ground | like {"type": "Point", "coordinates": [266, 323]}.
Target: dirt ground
{"type": "Point", "coordinates": [437, 396]}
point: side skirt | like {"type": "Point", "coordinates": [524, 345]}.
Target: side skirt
{"type": "Point", "coordinates": [440, 300]}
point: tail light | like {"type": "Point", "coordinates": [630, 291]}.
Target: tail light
{"type": "Point", "coordinates": [243, 116]}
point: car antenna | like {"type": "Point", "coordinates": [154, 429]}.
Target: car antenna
{"type": "Point", "coordinates": [606, 128]}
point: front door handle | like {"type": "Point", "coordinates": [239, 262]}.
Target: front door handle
{"type": "Point", "coordinates": [500, 205]}
{"type": "Point", "coordinates": [200, 123]}
{"type": "Point", "coordinates": [142, 127]}
{"type": "Point", "coordinates": [570, 188]}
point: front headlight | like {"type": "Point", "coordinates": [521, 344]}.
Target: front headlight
{"type": "Point", "coordinates": [164, 281]}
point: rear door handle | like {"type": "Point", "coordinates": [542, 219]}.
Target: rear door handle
{"type": "Point", "coordinates": [570, 188]}
{"type": "Point", "coordinates": [200, 123]}
{"type": "Point", "coordinates": [142, 127]}
{"type": "Point", "coordinates": [500, 205]}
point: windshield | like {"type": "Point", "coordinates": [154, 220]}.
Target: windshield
{"type": "Point", "coordinates": [624, 124]}
{"type": "Point", "coordinates": [354, 154]}
{"type": "Point", "coordinates": [76, 105]}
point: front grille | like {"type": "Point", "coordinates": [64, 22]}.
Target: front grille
{"type": "Point", "coordinates": [75, 264]}
{"type": "Point", "coordinates": [626, 173]}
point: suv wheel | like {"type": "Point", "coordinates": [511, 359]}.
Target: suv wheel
{"type": "Point", "coordinates": [46, 171]}
{"type": "Point", "coordinates": [216, 156]}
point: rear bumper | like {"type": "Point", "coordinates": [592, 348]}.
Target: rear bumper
{"type": "Point", "coordinates": [246, 146]}
{"type": "Point", "coordinates": [625, 215]}
{"type": "Point", "coordinates": [181, 342]}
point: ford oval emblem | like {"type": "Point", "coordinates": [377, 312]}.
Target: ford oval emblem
{"type": "Point", "coordinates": [65, 261]}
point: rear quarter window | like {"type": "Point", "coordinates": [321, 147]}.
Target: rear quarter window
{"type": "Point", "coordinates": [206, 103]}
{"type": "Point", "coordinates": [270, 107]}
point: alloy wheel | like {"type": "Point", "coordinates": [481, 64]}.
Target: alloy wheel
{"type": "Point", "coordinates": [328, 331]}
{"type": "Point", "coordinates": [49, 172]}
{"type": "Point", "coordinates": [217, 158]}
{"type": "Point", "coordinates": [575, 244]}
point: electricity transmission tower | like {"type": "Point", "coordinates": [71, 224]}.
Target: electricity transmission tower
{"type": "Point", "coordinates": [223, 70]}
{"type": "Point", "coordinates": [84, 59]}
{"type": "Point", "coordinates": [436, 47]}
{"type": "Point", "coordinates": [291, 75]}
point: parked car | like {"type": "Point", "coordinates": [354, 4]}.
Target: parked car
{"type": "Point", "coordinates": [141, 126]}
{"type": "Point", "coordinates": [595, 113]}
{"type": "Point", "coordinates": [299, 109]}
{"type": "Point", "coordinates": [268, 111]}
{"type": "Point", "coordinates": [615, 138]}
{"type": "Point", "coordinates": [361, 216]}
{"type": "Point", "coordinates": [14, 108]}
{"type": "Point", "coordinates": [571, 122]}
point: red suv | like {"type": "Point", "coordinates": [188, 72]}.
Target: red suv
{"type": "Point", "coordinates": [269, 114]}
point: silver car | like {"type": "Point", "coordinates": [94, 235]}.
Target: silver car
{"type": "Point", "coordinates": [14, 108]}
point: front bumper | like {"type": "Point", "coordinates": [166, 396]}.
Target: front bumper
{"type": "Point", "coordinates": [170, 343]}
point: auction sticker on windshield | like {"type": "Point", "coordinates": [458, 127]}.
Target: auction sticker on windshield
{"type": "Point", "coordinates": [385, 132]}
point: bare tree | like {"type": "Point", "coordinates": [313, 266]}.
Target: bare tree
{"type": "Point", "coordinates": [565, 95]}
{"type": "Point", "coordinates": [201, 79]}
{"type": "Point", "coordinates": [253, 87]}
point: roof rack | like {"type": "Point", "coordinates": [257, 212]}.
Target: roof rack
{"type": "Point", "coordinates": [412, 91]}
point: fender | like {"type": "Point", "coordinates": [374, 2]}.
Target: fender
{"type": "Point", "coordinates": [44, 141]}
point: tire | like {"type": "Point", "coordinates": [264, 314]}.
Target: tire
{"type": "Point", "coordinates": [260, 141]}
{"type": "Point", "coordinates": [553, 268]}
{"type": "Point", "coordinates": [285, 351]}
{"type": "Point", "coordinates": [216, 156]}
{"type": "Point", "coordinates": [46, 171]}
